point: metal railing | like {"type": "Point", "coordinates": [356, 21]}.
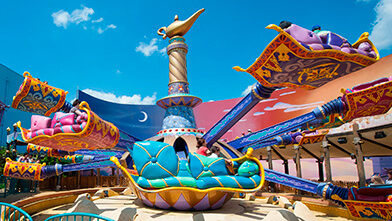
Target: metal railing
{"type": "Point", "coordinates": [78, 216]}
{"type": "Point", "coordinates": [9, 212]}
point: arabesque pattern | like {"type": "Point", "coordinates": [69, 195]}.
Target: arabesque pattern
{"type": "Point", "coordinates": [37, 97]}
{"type": "Point", "coordinates": [374, 210]}
{"type": "Point", "coordinates": [287, 63]}
{"type": "Point", "coordinates": [371, 101]}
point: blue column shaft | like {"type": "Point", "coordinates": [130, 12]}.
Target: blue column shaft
{"type": "Point", "coordinates": [103, 162]}
{"type": "Point", "coordinates": [258, 93]}
{"type": "Point", "coordinates": [291, 181]}
{"type": "Point", "coordinates": [330, 108]}
{"type": "Point", "coordinates": [272, 131]}
{"type": "Point", "coordinates": [280, 140]}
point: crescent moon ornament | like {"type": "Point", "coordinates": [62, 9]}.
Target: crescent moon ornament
{"type": "Point", "coordinates": [145, 117]}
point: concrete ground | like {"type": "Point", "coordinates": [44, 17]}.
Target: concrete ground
{"type": "Point", "coordinates": [236, 209]}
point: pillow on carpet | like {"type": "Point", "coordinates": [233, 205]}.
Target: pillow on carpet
{"type": "Point", "coordinates": [154, 160]}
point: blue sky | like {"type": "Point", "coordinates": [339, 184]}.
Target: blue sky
{"type": "Point", "coordinates": [111, 48]}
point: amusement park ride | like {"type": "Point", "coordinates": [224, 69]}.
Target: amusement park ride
{"type": "Point", "coordinates": [166, 176]}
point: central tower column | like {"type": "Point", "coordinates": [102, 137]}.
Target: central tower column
{"type": "Point", "coordinates": [179, 103]}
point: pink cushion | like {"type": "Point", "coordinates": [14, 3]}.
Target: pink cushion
{"type": "Point", "coordinates": [76, 128]}
{"type": "Point", "coordinates": [62, 119]}
{"type": "Point", "coordinates": [39, 122]}
{"type": "Point", "coordinates": [47, 131]}
{"type": "Point", "coordinates": [82, 118]}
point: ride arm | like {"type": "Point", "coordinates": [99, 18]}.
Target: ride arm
{"type": "Point", "coordinates": [36, 171]}
{"type": "Point", "coordinates": [257, 93]}
{"type": "Point", "coordinates": [330, 108]}
{"type": "Point", "coordinates": [324, 190]}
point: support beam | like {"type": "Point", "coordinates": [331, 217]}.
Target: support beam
{"type": "Point", "coordinates": [389, 148]}
{"type": "Point", "coordinates": [319, 162]}
{"type": "Point", "coordinates": [310, 153]}
{"type": "Point", "coordinates": [358, 150]}
{"type": "Point", "coordinates": [327, 160]}
{"type": "Point", "coordinates": [297, 160]}
{"type": "Point", "coordinates": [285, 162]}
{"type": "Point", "coordinates": [99, 177]}
{"type": "Point", "coordinates": [298, 164]}
{"type": "Point", "coordinates": [321, 170]}
{"type": "Point", "coordinates": [78, 180]}
{"type": "Point", "coordinates": [269, 155]}
{"type": "Point", "coordinates": [270, 166]}
{"type": "Point", "coordinates": [58, 186]}
{"type": "Point", "coordinates": [339, 148]}
{"type": "Point", "coordinates": [286, 167]}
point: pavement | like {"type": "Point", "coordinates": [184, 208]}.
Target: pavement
{"type": "Point", "coordinates": [234, 210]}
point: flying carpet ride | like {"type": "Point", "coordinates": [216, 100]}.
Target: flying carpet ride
{"type": "Point", "coordinates": [202, 183]}
{"type": "Point", "coordinates": [62, 132]}
{"type": "Point", "coordinates": [96, 133]}
{"type": "Point", "coordinates": [296, 58]}
{"type": "Point", "coordinates": [368, 99]}
{"type": "Point", "coordinates": [300, 59]}
{"type": "Point", "coordinates": [365, 202]}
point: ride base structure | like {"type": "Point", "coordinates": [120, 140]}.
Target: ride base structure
{"type": "Point", "coordinates": [164, 172]}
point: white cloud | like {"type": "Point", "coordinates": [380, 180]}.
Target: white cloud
{"type": "Point", "coordinates": [258, 113]}
{"type": "Point", "coordinates": [289, 107]}
{"type": "Point", "coordinates": [381, 31]}
{"type": "Point", "coordinates": [247, 90]}
{"type": "Point", "coordinates": [118, 72]}
{"type": "Point", "coordinates": [111, 26]}
{"type": "Point", "coordinates": [63, 18]}
{"type": "Point", "coordinates": [287, 93]}
{"type": "Point", "coordinates": [162, 51]}
{"type": "Point", "coordinates": [134, 99]}
{"type": "Point", "coordinates": [98, 20]}
{"type": "Point", "coordinates": [149, 49]}
{"type": "Point", "coordinates": [78, 15]}
{"type": "Point", "coordinates": [267, 100]}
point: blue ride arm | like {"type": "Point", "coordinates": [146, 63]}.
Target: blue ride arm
{"type": "Point", "coordinates": [258, 93]}
{"type": "Point", "coordinates": [284, 139]}
{"type": "Point", "coordinates": [103, 162]}
{"type": "Point", "coordinates": [291, 181]}
{"type": "Point", "coordinates": [35, 171]}
{"type": "Point", "coordinates": [335, 106]}
{"type": "Point", "coordinates": [325, 190]}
